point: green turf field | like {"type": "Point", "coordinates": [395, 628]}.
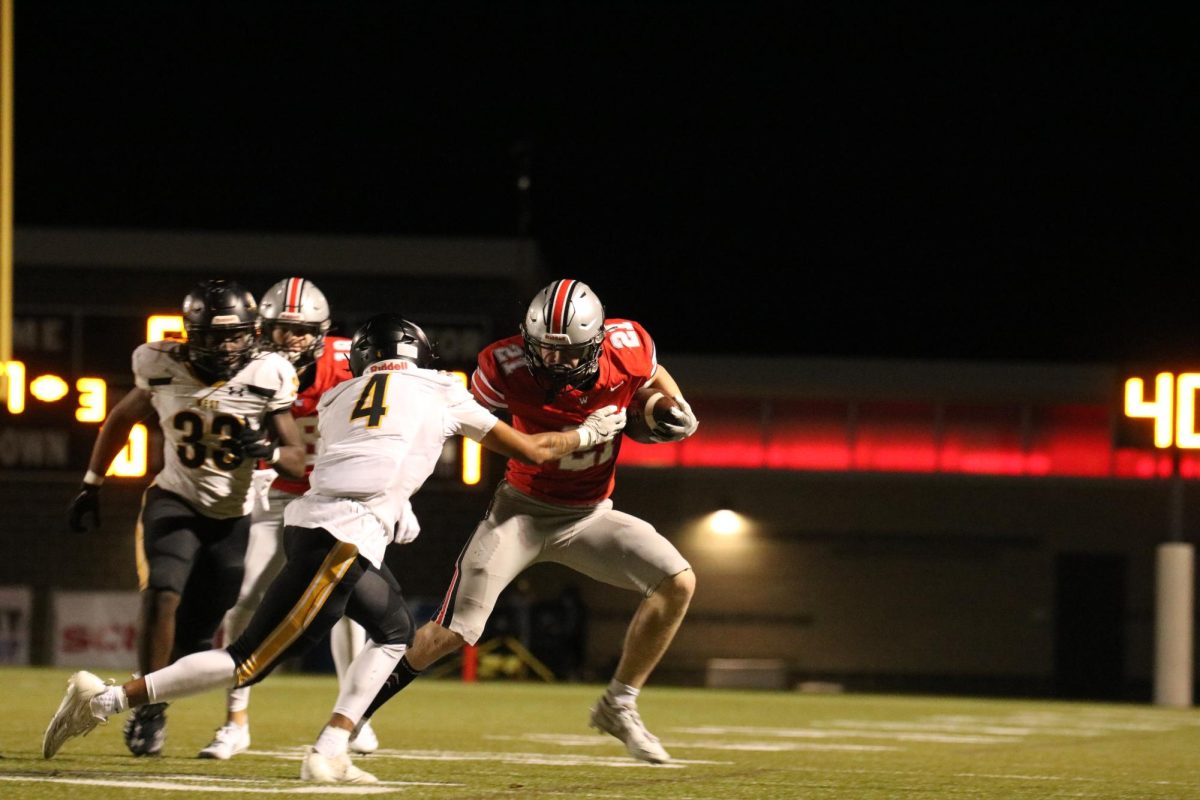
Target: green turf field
{"type": "Point", "coordinates": [443, 740]}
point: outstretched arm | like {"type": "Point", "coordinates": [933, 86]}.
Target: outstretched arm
{"type": "Point", "coordinates": [539, 448]}
{"type": "Point", "coordinates": [114, 433]}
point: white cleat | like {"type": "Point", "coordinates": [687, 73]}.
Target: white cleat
{"type": "Point", "coordinates": [75, 716]}
{"type": "Point", "coordinates": [625, 723]}
{"type": "Point", "coordinates": [316, 768]}
{"type": "Point", "coordinates": [365, 741]}
{"type": "Point", "coordinates": [229, 740]}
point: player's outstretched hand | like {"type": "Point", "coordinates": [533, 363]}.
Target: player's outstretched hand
{"type": "Point", "coordinates": [683, 424]}
{"type": "Point", "coordinates": [601, 426]}
{"type": "Point", "coordinates": [86, 504]}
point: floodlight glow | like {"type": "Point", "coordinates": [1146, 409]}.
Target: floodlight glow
{"type": "Point", "coordinates": [726, 522]}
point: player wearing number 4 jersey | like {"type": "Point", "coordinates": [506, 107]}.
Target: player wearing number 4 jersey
{"type": "Point", "coordinates": [567, 362]}
{"type": "Point", "coordinates": [295, 319]}
{"type": "Point", "coordinates": [216, 396]}
{"type": "Point", "coordinates": [382, 435]}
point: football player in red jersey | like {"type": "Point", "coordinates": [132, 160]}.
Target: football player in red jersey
{"type": "Point", "coordinates": [295, 319]}
{"type": "Point", "coordinates": [567, 362]}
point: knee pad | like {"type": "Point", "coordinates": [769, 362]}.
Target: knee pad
{"type": "Point", "coordinates": [168, 574]}
{"type": "Point", "coordinates": [398, 628]}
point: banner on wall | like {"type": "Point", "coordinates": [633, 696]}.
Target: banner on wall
{"type": "Point", "coordinates": [16, 606]}
{"type": "Point", "coordinates": [95, 629]}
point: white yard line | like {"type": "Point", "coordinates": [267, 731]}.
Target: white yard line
{"type": "Point", "coordinates": [538, 759]}
{"type": "Point", "coordinates": [764, 747]}
{"type": "Point", "coordinates": [841, 733]}
{"type": "Point", "coordinates": [213, 784]}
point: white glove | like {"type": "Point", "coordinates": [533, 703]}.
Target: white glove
{"type": "Point", "coordinates": [407, 527]}
{"type": "Point", "coordinates": [601, 426]}
{"type": "Point", "coordinates": [260, 486]}
{"type": "Point", "coordinates": [683, 426]}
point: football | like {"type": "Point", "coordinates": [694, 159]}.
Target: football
{"type": "Point", "coordinates": [648, 408]}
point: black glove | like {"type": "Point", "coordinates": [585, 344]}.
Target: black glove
{"type": "Point", "coordinates": [251, 444]}
{"type": "Point", "coordinates": [87, 502]}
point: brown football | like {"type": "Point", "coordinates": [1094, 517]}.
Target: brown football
{"type": "Point", "coordinates": [646, 410]}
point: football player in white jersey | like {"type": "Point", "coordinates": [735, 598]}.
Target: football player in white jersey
{"type": "Point", "coordinates": [382, 435]}
{"type": "Point", "coordinates": [216, 398]}
{"type": "Point", "coordinates": [295, 319]}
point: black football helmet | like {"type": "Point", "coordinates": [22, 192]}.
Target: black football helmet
{"type": "Point", "coordinates": [386, 336]}
{"type": "Point", "coordinates": [564, 335]}
{"type": "Point", "coordinates": [221, 320]}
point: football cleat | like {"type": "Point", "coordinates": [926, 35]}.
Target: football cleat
{"type": "Point", "coordinates": [75, 715]}
{"type": "Point", "coordinates": [364, 740]}
{"type": "Point", "coordinates": [625, 723]}
{"type": "Point", "coordinates": [316, 768]}
{"type": "Point", "coordinates": [146, 730]}
{"type": "Point", "coordinates": [229, 740]}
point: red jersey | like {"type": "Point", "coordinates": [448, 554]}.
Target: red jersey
{"type": "Point", "coordinates": [503, 382]}
{"type": "Point", "coordinates": [332, 368]}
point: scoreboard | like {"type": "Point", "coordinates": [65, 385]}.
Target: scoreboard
{"type": "Point", "coordinates": [69, 369]}
{"type": "Point", "coordinates": [1159, 408]}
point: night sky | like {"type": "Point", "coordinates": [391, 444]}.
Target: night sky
{"type": "Point", "coordinates": [978, 180]}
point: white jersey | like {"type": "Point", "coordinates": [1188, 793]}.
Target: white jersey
{"type": "Point", "coordinates": [381, 437]}
{"type": "Point", "coordinates": [197, 418]}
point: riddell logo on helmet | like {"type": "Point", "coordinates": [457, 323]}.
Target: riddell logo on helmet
{"type": "Point", "coordinates": [388, 366]}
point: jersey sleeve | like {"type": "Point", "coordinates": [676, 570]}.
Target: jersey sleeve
{"type": "Point", "coordinates": [465, 416]}
{"type": "Point", "coordinates": [633, 348]}
{"type": "Point", "coordinates": [487, 382]}
{"type": "Point", "coordinates": [284, 382]}
{"type": "Point", "coordinates": [151, 364]}
{"type": "Point", "coordinates": [337, 351]}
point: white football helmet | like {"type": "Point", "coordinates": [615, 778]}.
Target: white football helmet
{"type": "Point", "coordinates": [564, 334]}
{"type": "Point", "coordinates": [299, 305]}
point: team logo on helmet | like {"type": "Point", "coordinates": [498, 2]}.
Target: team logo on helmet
{"type": "Point", "coordinates": [386, 336]}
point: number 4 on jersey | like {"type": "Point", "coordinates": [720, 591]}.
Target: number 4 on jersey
{"type": "Point", "coordinates": [370, 402]}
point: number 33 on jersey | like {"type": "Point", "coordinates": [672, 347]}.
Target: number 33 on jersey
{"type": "Point", "coordinates": [199, 419]}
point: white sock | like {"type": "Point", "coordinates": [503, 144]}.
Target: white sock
{"type": "Point", "coordinates": [236, 620]}
{"type": "Point", "coordinates": [346, 640]}
{"type": "Point", "coordinates": [365, 677]}
{"type": "Point", "coordinates": [332, 742]}
{"type": "Point", "coordinates": [622, 694]}
{"type": "Point", "coordinates": [192, 674]}
{"type": "Point", "coordinates": [111, 701]}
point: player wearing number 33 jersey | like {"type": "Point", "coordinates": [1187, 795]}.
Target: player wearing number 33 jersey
{"type": "Point", "coordinates": [200, 423]}
{"type": "Point", "coordinates": [222, 405]}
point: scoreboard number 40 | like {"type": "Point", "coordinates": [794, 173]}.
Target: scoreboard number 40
{"type": "Point", "coordinates": [1172, 407]}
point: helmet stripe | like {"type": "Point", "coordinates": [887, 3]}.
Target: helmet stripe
{"type": "Point", "coordinates": [560, 302]}
{"type": "Point", "coordinates": [295, 287]}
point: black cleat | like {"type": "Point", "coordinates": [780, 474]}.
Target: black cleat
{"type": "Point", "coordinates": [146, 730]}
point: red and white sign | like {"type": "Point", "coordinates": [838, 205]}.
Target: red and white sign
{"type": "Point", "coordinates": [95, 629]}
{"type": "Point", "coordinates": [16, 604]}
